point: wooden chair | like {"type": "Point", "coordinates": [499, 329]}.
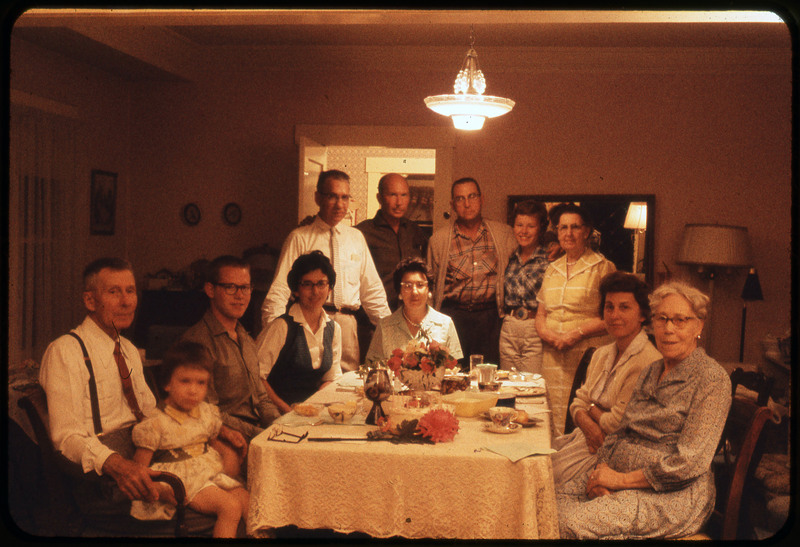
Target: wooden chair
{"type": "Point", "coordinates": [734, 470]}
{"type": "Point", "coordinates": [755, 381]}
{"type": "Point", "coordinates": [63, 516]}
{"type": "Point", "coordinates": [577, 382]}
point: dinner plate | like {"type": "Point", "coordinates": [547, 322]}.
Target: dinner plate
{"type": "Point", "coordinates": [513, 427]}
{"type": "Point", "coordinates": [535, 391]}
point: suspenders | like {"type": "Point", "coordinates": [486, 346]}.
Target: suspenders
{"type": "Point", "coordinates": [98, 428]}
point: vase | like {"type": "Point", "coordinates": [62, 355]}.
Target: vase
{"type": "Point", "coordinates": [418, 380]}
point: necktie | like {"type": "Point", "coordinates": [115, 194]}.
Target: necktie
{"type": "Point", "coordinates": [335, 260]}
{"type": "Point", "coordinates": [127, 384]}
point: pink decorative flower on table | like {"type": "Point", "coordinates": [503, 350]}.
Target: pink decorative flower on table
{"type": "Point", "coordinates": [438, 425]}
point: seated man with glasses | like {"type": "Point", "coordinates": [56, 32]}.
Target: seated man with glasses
{"type": "Point", "coordinates": [359, 283]}
{"type": "Point", "coordinates": [236, 388]}
{"type": "Point", "coordinates": [300, 352]}
{"type": "Point", "coordinates": [468, 259]}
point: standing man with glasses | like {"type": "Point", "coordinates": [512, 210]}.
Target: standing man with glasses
{"type": "Point", "coordinates": [357, 280]}
{"type": "Point", "coordinates": [467, 260]}
{"type": "Point", "coordinates": [237, 389]}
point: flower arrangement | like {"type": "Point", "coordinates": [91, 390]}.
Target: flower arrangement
{"type": "Point", "coordinates": [421, 365]}
{"type": "Point", "coordinates": [438, 425]}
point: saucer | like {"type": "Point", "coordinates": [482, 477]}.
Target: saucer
{"type": "Point", "coordinates": [529, 391]}
{"type": "Point", "coordinates": [512, 428]}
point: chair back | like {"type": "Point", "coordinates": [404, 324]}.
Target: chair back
{"type": "Point", "coordinates": [735, 472]}
{"type": "Point", "coordinates": [577, 382]}
{"type": "Point", "coordinates": [754, 381]}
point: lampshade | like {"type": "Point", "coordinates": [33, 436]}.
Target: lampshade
{"type": "Point", "coordinates": [468, 106]}
{"type": "Point", "coordinates": [752, 287]}
{"type": "Point", "coordinates": [714, 245]}
{"type": "Point", "coordinates": [636, 219]}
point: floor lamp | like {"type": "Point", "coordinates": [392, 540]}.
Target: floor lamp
{"type": "Point", "coordinates": [750, 293]}
{"type": "Point", "coordinates": [713, 248]}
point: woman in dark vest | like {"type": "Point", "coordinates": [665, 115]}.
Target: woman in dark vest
{"type": "Point", "coordinates": [300, 352]}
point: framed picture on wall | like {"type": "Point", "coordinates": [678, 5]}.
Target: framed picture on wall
{"type": "Point", "coordinates": [103, 206]}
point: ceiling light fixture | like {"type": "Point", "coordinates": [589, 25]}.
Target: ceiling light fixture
{"type": "Point", "coordinates": [468, 106]}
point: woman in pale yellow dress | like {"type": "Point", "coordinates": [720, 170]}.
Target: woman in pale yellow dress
{"type": "Point", "coordinates": [567, 320]}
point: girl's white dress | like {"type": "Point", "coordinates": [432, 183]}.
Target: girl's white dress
{"type": "Point", "coordinates": [179, 441]}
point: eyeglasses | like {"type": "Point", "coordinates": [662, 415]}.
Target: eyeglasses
{"type": "Point", "coordinates": [408, 285]}
{"type": "Point", "coordinates": [321, 284]}
{"type": "Point", "coordinates": [231, 288]}
{"type": "Point", "coordinates": [337, 197]}
{"type": "Point", "coordinates": [462, 199]}
{"type": "Point", "coordinates": [277, 432]}
{"type": "Point", "coordinates": [679, 321]}
{"type": "Point", "coordinates": [569, 227]}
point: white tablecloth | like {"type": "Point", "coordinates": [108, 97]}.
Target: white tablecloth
{"type": "Point", "coordinates": [459, 490]}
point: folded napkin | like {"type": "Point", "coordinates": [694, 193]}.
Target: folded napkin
{"type": "Point", "coordinates": [350, 379]}
{"type": "Point", "coordinates": [515, 451]}
{"type": "Point", "coordinates": [292, 419]}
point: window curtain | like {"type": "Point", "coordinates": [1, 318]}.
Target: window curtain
{"type": "Point", "coordinates": [42, 218]}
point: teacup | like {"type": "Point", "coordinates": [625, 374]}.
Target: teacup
{"type": "Point", "coordinates": [502, 416]}
{"type": "Point", "coordinates": [486, 373]}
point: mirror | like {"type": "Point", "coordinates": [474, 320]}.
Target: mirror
{"type": "Point", "coordinates": [630, 249]}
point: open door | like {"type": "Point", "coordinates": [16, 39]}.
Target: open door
{"type": "Point", "coordinates": [312, 161]}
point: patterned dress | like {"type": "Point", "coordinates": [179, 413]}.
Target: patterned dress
{"type": "Point", "coordinates": [570, 302]}
{"type": "Point", "coordinates": [179, 441]}
{"type": "Point", "coordinates": [670, 430]}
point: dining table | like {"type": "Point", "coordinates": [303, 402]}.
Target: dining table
{"type": "Point", "coordinates": [309, 472]}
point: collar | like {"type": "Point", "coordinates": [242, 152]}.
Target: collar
{"type": "Point", "coordinates": [179, 415]}
{"type": "Point", "coordinates": [296, 313]}
{"type": "Point", "coordinates": [635, 347]}
{"type": "Point", "coordinates": [323, 226]}
{"type": "Point", "coordinates": [215, 327]}
{"type": "Point", "coordinates": [588, 259]}
{"type": "Point", "coordinates": [537, 253]}
{"type": "Point", "coordinates": [481, 230]}
{"type": "Point", "coordinates": [94, 330]}
{"type": "Point", "coordinates": [380, 220]}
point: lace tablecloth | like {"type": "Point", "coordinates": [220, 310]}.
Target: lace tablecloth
{"type": "Point", "coordinates": [460, 490]}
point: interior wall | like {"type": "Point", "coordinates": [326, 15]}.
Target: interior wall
{"type": "Point", "coordinates": [704, 142]}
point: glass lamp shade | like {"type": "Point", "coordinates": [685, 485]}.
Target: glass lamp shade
{"type": "Point", "coordinates": [469, 110]}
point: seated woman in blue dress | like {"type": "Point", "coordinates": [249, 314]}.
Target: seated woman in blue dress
{"type": "Point", "coordinates": [415, 319]}
{"type": "Point", "coordinates": [300, 352]}
{"type": "Point", "coordinates": [653, 478]}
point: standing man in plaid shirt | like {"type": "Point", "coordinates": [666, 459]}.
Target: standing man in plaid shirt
{"type": "Point", "coordinates": [468, 259]}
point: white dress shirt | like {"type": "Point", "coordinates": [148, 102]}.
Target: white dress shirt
{"type": "Point", "coordinates": [65, 379]}
{"type": "Point", "coordinates": [357, 275]}
{"type": "Point", "coordinates": [271, 341]}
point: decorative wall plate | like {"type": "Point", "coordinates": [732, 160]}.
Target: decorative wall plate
{"type": "Point", "coordinates": [191, 214]}
{"type": "Point", "coordinates": [232, 214]}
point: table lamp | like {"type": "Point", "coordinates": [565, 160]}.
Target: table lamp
{"type": "Point", "coordinates": [750, 293]}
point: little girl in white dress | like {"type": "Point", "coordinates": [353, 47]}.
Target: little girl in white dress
{"type": "Point", "coordinates": [180, 437]}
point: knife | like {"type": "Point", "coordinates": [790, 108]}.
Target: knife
{"type": "Point", "coordinates": [326, 439]}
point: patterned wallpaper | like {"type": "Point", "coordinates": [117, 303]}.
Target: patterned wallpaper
{"type": "Point", "coordinates": [352, 160]}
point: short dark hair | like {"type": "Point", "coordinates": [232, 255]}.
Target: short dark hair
{"type": "Point", "coordinates": [464, 180]}
{"type": "Point", "coordinates": [532, 208]}
{"type": "Point", "coordinates": [411, 264]}
{"type": "Point", "coordinates": [573, 208]}
{"type": "Point", "coordinates": [307, 263]}
{"type": "Point", "coordinates": [184, 353]}
{"type": "Point", "coordinates": [224, 261]}
{"type": "Point", "coordinates": [93, 268]}
{"type": "Point", "coordinates": [331, 174]}
{"type": "Point", "coordinates": [626, 282]}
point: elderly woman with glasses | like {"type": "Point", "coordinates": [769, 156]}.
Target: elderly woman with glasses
{"type": "Point", "coordinates": [654, 477]}
{"type": "Point", "coordinates": [415, 319]}
{"type": "Point", "coordinates": [567, 319]}
{"type": "Point", "coordinates": [300, 352]}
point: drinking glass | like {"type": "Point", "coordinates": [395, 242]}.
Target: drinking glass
{"type": "Point", "coordinates": [474, 359]}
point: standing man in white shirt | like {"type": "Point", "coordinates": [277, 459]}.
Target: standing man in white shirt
{"type": "Point", "coordinates": [357, 280]}
{"type": "Point", "coordinates": [78, 420]}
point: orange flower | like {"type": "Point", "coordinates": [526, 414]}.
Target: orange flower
{"type": "Point", "coordinates": [438, 425]}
